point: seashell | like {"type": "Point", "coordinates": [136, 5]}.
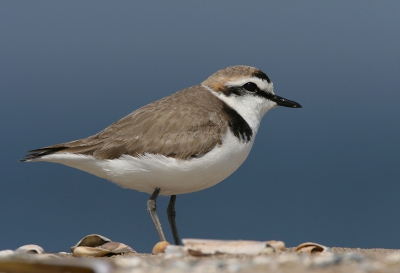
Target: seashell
{"type": "Point", "coordinates": [87, 251]}
{"type": "Point", "coordinates": [6, 253]}
{"type": "Point", "coordinates": [31, 249]}
{"type": "Point", "coordinates": [91, 240]}
{"type": "Point", "coordinates": [313, 248]}
{"type": "Point", "coordinates": [95, 245]}
{"type": "Point", "coordinates": [160, 247]}
{"type": "Point", "coordinates": [117, 248]}
{"type": "Point", "coordinates": [276, 245]}
{"type": "Point", "coordinates": [267, 250]}
{"type": "Point", "coordinates": [199, 247]}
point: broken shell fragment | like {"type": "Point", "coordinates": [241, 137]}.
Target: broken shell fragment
{"type": "Point", "coordinates": [267, 250]}
{"type": "Point", "coordinates": [117, 248]}
{"type": "Point", "coordinates": [87, 251]}
{"type": "Point", "coordinates": [6, 253]}
{"type": "Point", "coordinates": [160, 247]}
{"type": "Point", "coordinates": [200, 247]}
{"type": "Point", "coordinates": [31, 249]}
{"type": "Point", "coordinates": [313, 248]}
{"type": "Point", "coordinates": [276, 245]}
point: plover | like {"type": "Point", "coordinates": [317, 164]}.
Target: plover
{"type": "Point", "coordinates": [185, 142]}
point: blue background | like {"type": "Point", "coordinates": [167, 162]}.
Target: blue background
{"type": "Point", "coordinates": [327, 173]}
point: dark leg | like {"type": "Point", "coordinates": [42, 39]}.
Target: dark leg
{"type": "Point", "coordinates": [151, 208]}
{"type": "Point", "coordinates": [171, 219]}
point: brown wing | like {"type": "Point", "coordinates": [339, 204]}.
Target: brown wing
{"type": "Point", "coordinates": [186, 124]}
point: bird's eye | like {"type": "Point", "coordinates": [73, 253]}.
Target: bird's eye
{"type": "Point", "coordinates": [250, 86]}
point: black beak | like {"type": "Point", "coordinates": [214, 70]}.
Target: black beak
{"type": "Point", "coordinates": [284, 102]}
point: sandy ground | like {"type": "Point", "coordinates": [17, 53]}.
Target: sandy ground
{"type": "Point", "coordinates": [340, 260]}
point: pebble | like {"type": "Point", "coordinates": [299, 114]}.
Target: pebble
{"type": "Point", "coordinates": [160, 247]}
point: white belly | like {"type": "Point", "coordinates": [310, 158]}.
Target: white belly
{"type": "Point", "coordinates": [172, 176]}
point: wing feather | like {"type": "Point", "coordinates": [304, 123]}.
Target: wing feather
{"type": "Point", "coordinates": [168, 127]}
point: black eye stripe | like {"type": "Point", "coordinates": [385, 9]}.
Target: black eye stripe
{"type": "Point", "coordinates": [240, 91]}
{"type": "Point", "coordinates": [250, 86]}
{"type": "Point", "coordinates": [266, 95]}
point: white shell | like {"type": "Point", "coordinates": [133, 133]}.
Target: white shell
{"type": "Point", "coordinates": [117, 248]}
{"type": "Point", "coordinates": [200, 247]}
{"type": "Point", "coordinates": [276, 245]}
{"type": "Point", "coordinates": [6, 253]}
{"type": "Point", "coordinates": [31, 249]}
{"type": "Point", "coordinates": [92, 240]}
{"type": "Point", "coordinates": [87, 251]}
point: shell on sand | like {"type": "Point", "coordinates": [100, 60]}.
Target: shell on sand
{"type": "Point", "coordinates": [31, 249]}
{"type": "Point", "coordinates": [87, 251]}
{"type": "Point", "coordinates": [276, 245]}
{"type": "Point", "coordinates": [312, 248]}
{"type": "Point", "coordinates": [117, 248]}
{"type": "Point", "coordinates": [160, 247]}
{"type": "Point", "coordinates": [95, 245]}
{"type": "Point", "coordinates": [92, 240]}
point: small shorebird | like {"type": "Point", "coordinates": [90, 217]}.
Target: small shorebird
{"type": "Point", "coordinates": [186, 142]}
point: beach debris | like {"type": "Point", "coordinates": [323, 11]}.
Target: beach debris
{"type": "Point", "coordinates": [174, 251]}
{"type": "Point", "coordinates": [117, 248]}
{"type": "Point", "coordinates": [313, 248]}
{"type": "Point", "coordinates": [95, 245]}
{"type": "Point", "coordinates": [6, 253]}
{"type": "Point", "coordinates": [93, 240]}
{"type": "Point", "coordinates": [30, 249]}
{"type": "Point", "coordinates": [276, 245]}
{"type": "Point", "coordinates": [201, 247]}
{"type": "Point", "coordinates": [160, 247]}
{"type": "Point", "coordinates": [87, 251]}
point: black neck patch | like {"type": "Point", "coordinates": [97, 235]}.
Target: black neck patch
{"type": "Point", "coordinates": [240, 128]}
{"type": "Point", "coordinates": [261, 75]}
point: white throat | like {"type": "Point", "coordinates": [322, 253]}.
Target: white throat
{"type": "Point", "coordinates": [251, 108]}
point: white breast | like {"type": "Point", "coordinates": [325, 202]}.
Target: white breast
{"type": "Point", "coordinates": [173, 176]}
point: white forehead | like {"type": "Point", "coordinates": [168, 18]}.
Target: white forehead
{"type": "Point", "coordinates": [262, 84]}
